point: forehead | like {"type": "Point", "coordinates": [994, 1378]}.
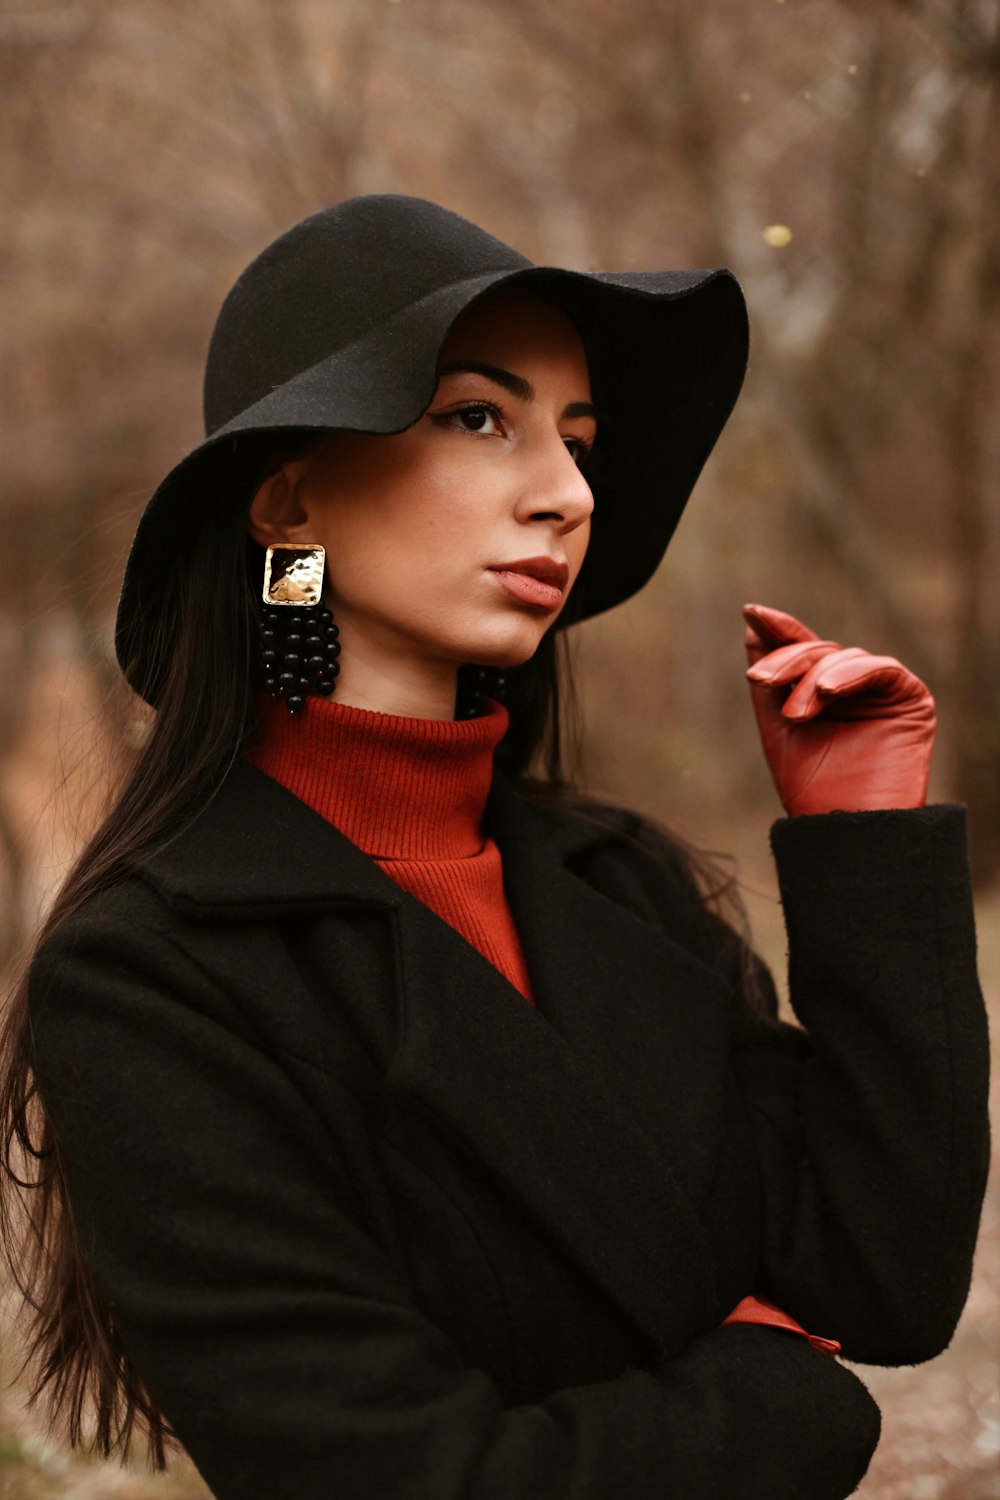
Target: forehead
{"type": "Point", "coordinates": [512, 326]}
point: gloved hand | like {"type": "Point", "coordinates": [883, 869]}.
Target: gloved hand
{"type": "Point", "coordinates": [843, 731]}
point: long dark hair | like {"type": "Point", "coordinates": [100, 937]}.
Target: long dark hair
{"type": "Point", "coordinates": [205, 718]}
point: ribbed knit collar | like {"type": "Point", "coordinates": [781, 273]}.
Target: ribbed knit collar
{"type": "Point", "coordinates": [399, 788]}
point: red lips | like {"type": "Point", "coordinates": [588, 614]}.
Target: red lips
{"type": "Point", "coordinates": [545, 569]}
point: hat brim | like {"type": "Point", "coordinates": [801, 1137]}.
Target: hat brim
{"type": "Point", "coordinates": [667, 354]}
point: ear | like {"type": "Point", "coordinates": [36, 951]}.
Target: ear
{"type": "Point", "coordinates": [276, 512]}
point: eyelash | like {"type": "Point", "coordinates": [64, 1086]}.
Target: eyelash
{"type": "Point", "coordinates": [447, 419]}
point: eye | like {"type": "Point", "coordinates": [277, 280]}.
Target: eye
{"type": "Point", "coordinates": [486, 419]}
{"type": "Point", "coordinates": [580, 449]}
{"type": "Point", "coordinates": [475, 417]}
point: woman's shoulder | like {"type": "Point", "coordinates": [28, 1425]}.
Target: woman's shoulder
{"type": "Point", "coordinates": [120, 937]}
{"type": "Point", "coordinates": [116, 934]}
{"type": "Point", "coordinates": [607, 834]}
{"type": "Point", "coordinates": [119, 967]}
{"type": "Point", "coordinates": [120, 913]}
{"type": "Point", "coordinates": [626, 855]}
{"type": "Point", "coordinates": [690, 895]}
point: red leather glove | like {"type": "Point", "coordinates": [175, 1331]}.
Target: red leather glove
{"type": "Point", "coordinates": [843, 731]}
{"type": "Point", "coordinates": [760, 1310]}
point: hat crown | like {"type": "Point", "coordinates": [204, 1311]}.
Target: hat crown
{"type": "Point", "coordinates": [328, 281]}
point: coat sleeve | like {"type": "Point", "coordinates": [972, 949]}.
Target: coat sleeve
{"type": "Point", "coordinates": [272, 1331]}
{"type": "Point", "coordinates": [870, 1119]}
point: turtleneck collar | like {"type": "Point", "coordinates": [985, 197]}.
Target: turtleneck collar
{"type": "Point", "coordinates": [398, 787]}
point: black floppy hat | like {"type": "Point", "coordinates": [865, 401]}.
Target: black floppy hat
{"type": "Point", "coordinates": [339, 324]}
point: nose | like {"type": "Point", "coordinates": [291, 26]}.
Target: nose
{"type": "Point", "coordinates": [556, 490]}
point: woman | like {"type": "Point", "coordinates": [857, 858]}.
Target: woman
{"type": "Point", "coordinates": [409, 1126]}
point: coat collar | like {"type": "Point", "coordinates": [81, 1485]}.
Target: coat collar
{"type": "Point", "coordinates": [257, 850]}
{"type": "Point", "coordinates": [597, 1108]}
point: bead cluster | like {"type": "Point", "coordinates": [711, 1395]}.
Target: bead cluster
{"type": "Point", "coordinates": [298, 653]}
{"type": "Point", "coordinates": [474, 683]}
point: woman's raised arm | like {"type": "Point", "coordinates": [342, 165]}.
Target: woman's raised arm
{"type": "Point", "coordinates": [870, 1120]}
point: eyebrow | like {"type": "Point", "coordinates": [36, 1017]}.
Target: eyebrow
{"type": "Point", "coordinates": [516, 384]}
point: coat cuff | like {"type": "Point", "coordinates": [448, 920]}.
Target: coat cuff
{"type": "Point", "coordinates": [820, 852]}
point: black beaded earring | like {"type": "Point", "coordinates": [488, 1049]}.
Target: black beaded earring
{"type": "Point", "coordinates": [298, 638]}
{"type": "Point", "coordinates": [475, 683]}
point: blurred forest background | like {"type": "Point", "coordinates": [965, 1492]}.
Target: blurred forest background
{"type": "Point", "coordinates": [842, 156]}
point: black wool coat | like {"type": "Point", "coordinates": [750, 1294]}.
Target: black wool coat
{"type": "Point", "coordinates": [371, 1225]}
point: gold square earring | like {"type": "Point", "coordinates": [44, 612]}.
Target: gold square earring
{"type": "Point", "coordinates": [299, 643]}
{"type": "Point", "coordinates": [293, 574]}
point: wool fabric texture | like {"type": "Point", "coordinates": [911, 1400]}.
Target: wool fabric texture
{"type": "Point", "coordinates": [411, 793]}
{"type": "Point", "coordinates": [368, 1226]}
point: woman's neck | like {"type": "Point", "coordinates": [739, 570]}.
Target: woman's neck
{"type": "Point", "coordinates": [387, 682]}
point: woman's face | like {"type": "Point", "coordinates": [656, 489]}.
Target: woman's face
{"type": "Point", "coordinates": [424, 531]}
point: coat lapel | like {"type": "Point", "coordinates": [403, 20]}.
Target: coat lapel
{"type": "Point", "coordinates": [578, 1107]}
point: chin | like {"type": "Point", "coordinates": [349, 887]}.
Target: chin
{"type": "Point", "coordinates": [517, 648]}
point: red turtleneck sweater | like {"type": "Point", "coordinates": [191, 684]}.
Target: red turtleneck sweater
{"type": "Point", "coordinates": [410, 793]}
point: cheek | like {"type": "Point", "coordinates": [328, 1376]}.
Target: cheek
{"type": "Point", "coordinates": [428, 509]}
{"type": "Point", "coordinates": [383, 548]}
{"type": "Point", "coordinates": [441, 519]}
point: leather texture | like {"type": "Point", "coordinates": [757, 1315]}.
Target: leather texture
{"type": "Point", "coordinates": [842, 730]}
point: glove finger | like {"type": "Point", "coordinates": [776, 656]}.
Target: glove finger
{"type": "Point", "coordinates": [787, 663]}
{"type": "Point", "coordinates": [805, 700]}
{"type": "Point", "coordinates": [756, 646]}
{"type": "Point", "coordinates": [853, 684]}
{"type": "Point", "coordinates": [882, 680]}
{"type": "Point", "coordinates": [774, 627]}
